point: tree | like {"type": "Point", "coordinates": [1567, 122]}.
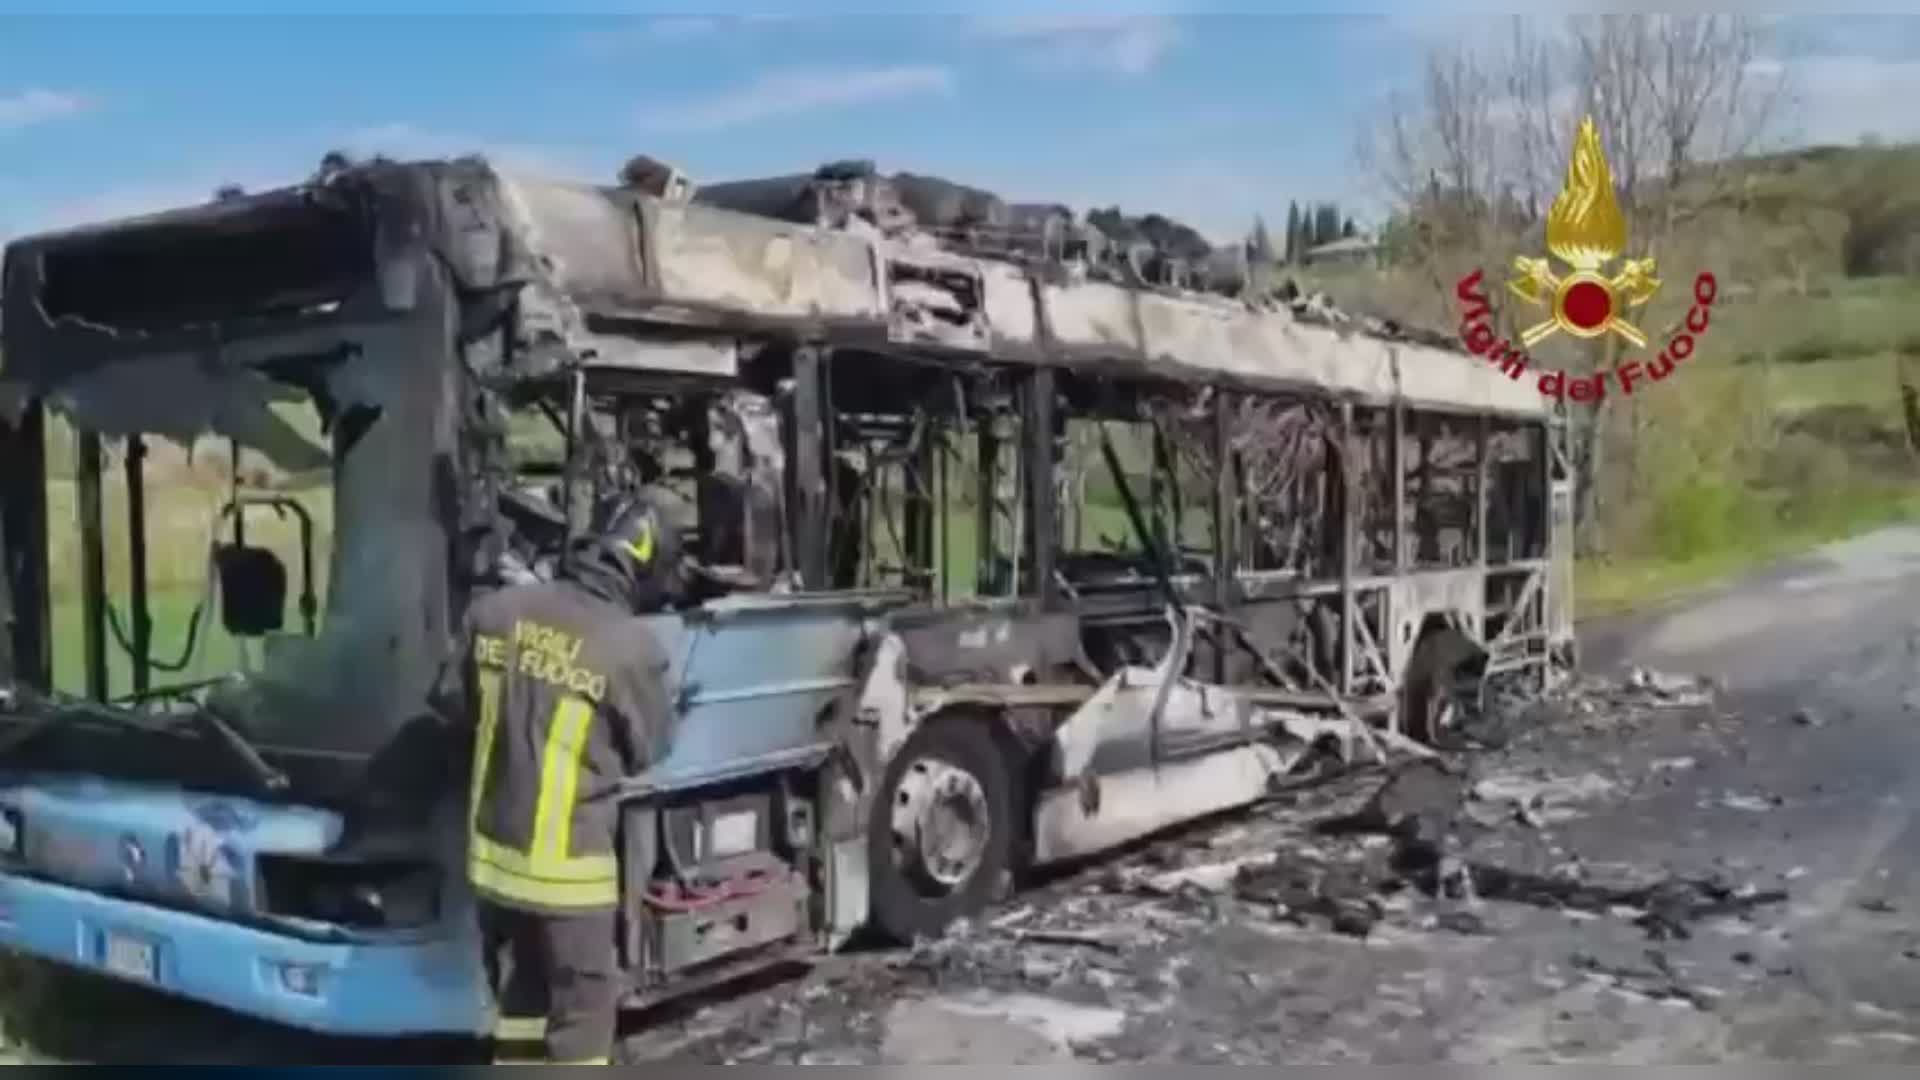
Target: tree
{"type": "Point", "coordinates": [1294, 246]}
{"type": "Point", "coordinates": [1260, 245]}
{"type": "Point", "coordinates": [1326, 223]}
{"type": "Point", "coordinates": [1485, 132]}
{"type": "Point", "coordinates": [1347, 230]}
{"type": "Point", "coordinates": [1475, 150]}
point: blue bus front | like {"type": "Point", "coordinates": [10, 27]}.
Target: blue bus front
{"type": "Point", "coordinates": [186, 725]}
{"type": "Point", "coordinates": [197, 896]}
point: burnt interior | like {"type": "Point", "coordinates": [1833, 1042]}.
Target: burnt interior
{"type": "Point", "coordinates": [1152, 490]}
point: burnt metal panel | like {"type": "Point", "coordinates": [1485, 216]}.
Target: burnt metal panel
{"type": "Point", "coordinates": [715, 257]}
{"type": "Point", "coordinates": [756, 677]}
{"type": "Point", "coordinates": [985, 645]}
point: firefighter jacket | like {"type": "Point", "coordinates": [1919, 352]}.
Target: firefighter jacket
{"type": "Point", "coordinates": [566, 694]}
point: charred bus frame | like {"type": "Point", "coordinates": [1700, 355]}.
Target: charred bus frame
{"type": "Point", "coordinates": [894, 453]}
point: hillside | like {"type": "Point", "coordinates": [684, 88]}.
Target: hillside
{"type": "Point", "coordinates": [1788, 423]}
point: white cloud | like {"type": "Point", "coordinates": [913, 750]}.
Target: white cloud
{"type": "Point", "coordinates": [785, 93]}
{"type": "Point", "coordinates": [38, 106]}
{"type": "Point", "coordinates": [1124, 44]}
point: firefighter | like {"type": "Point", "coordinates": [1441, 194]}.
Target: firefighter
{"type": "Point", "coordinates": [563, 691]}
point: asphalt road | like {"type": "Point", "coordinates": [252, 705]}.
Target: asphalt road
{"type": "Point", "coordinates": [1801, 776]}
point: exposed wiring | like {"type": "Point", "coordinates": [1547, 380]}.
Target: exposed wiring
{"type": "Point", "coordinates": [736, 888]}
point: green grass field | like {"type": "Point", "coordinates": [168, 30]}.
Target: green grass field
{"type": "Point", "coordinates": [181, 505]}
{"type": "Point", "coordinates": [1820, 374]}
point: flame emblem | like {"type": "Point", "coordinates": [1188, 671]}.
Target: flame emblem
{"type": "Point", "coordinates": [1585, 230]}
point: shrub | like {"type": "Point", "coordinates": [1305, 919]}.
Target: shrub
{"type": "Point", "coordinates": [1697, 515]}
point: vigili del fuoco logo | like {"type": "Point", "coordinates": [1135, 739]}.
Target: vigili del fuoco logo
{"type": "Point", "coordinates": [1587, 232]}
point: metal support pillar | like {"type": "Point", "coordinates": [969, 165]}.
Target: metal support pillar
{"type": "Point", "coordinates": [1349, 541]}
{"type": "Point", "coordinates": [810, 519]}
{"type": "Point", "coordinates": [1226, 492]}
{"type": "Point", "coordinates": [25, 600]}
{"type": "Point", "coordinates": [1483, 470]}
{"type": "Point", "coordinates": [23, 517]}
{"type": "Point", "coordinates": [1397, 461]}
{"type": "Point", "coordinates": [141, 631]}
{"type": "Point", "coordinates": [1037, 422]}
{"type": "Point", "coordinates": [93, 563]}
{"type": "Point", "coordinates": [987, 495]}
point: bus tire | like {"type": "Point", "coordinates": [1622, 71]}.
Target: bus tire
{"type": "Point", "coordinates": [941, 836]}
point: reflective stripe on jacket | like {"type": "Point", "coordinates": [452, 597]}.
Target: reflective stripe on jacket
{"type": "Point", "coordinates": [567, 695]}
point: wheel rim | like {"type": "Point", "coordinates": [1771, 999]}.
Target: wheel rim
{"type": "Point", "coordinates": [941, 825]}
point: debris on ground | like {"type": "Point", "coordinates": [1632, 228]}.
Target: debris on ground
{"type": "Point", "coordinates": [1656, 979]}
{"type": "Point", "coordinates": [1751, 804]}
{"type": "Point", "coordinates": [1666, 908]}
{"type": "Point", "coordinates": [1677, 690]}
{"type": "Point", "coordinates": [1541, 800]}
{"type": "Point", "coordinates": [1428, 847]}
{"type": "Point", "coordinates": [1346, 896]}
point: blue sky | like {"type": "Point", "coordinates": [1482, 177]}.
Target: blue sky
{"type": "Point", "coordinates": [1213, 118]}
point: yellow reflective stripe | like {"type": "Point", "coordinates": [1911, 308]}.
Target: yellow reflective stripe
{"type": "Point", "coordinates": [501, 882]}
{"type": "Point", "coordinates": [489, 689]}
{"type": "Point", "coordinates": [586, 1061]}
{"type": "Point", "coordinates": [520, 1028]}
{"type": "Point", "coordinates": [546, 875]}
{"type": "Point", "coordinates": [560, 780]}
{"type": "Point", "coordinates": [641, 547]}
{"type": "Point", "coordinates": [583, 869]}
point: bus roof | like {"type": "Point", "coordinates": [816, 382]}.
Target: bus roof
{"type": "Point", "coordinates": [604, 267]}
{"type": "Point", "coordinates": [618, 253]}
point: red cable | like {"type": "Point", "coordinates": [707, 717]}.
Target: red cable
{"type": "Point", "coordinates": [738, 888]}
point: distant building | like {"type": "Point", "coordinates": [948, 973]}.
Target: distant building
{"type": "Point", "coordinates": [1348, 251]}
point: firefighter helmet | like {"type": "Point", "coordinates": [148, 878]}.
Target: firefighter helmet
{"type": "Point", "coordinates": [631, 557]}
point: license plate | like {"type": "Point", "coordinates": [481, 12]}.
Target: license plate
{"type": "Point", "coordinates": [130, 957]}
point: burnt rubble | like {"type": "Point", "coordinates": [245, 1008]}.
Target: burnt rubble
{"type": "Point", "coordinates": [1377, 848]}
{"type": "Point", "coordinates": [1242, 929]}
{"type": "Point", "coordinates": [1373, 852]}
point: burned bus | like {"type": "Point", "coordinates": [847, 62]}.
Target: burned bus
{"type": "Point", "coordinates": [1003, 561]}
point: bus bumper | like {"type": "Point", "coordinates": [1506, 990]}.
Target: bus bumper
{"type": "Point", "coordinates": [339, 988]}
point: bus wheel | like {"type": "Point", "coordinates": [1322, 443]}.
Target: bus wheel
{"type": "Point", "coordinates": [940, 841]}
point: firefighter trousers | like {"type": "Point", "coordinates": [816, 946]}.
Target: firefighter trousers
{"type": "Point", "coordinates": [555, 982]}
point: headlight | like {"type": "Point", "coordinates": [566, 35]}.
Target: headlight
{"type": "Point", "coordinates": [367, 895]}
